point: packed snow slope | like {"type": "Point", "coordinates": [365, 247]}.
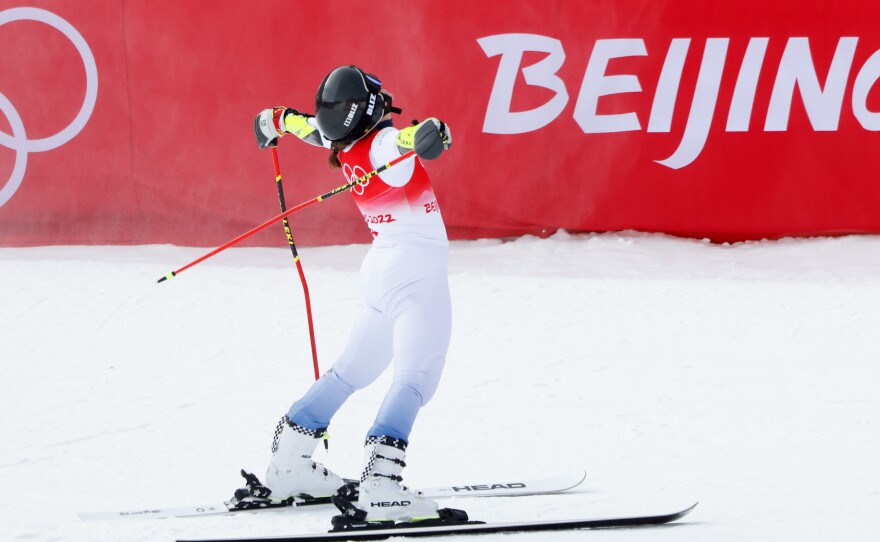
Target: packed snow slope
{"type": "Point", "coordinates": [744, 376]}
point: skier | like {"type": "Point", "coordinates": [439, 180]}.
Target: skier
{"type": "Point", "coordinates": [406, 316]}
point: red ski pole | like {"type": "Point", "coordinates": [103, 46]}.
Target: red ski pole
{"type": "Point", "coordinates": [289, 212]}
{"type": "Point", "coordinates": [299, 268]}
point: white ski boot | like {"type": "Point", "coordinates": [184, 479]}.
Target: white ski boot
{"type": "Point", "coordinates": [382, 500]}
{"type": "Point", "coordinates": [292, 472]}
{"type": "Point", "coordinates": [381, 493]}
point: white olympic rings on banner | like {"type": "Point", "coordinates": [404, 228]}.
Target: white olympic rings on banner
{"type": "Point", "coordinates": [18, 141]}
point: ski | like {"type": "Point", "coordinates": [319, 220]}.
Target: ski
{"type": "Point", "coordinates": [470, 528]}
{"type": "Point", "coordinates": [506, 488]}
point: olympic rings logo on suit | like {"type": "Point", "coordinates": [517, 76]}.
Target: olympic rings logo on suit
{"type": "Point", "coordinates": [353, 175]}
{"type": "Point", "coordinates": [18, 141]}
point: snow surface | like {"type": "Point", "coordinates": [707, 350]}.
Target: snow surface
{"type": "Point", "coordinates": [744, 376]}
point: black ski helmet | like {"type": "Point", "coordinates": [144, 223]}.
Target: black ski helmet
{"type": "Point", "coordinates": [348, 104]}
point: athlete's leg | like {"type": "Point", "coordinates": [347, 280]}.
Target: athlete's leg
{"type": "Point", "coordinates": [422, 329]}
{"type": "Point", "coordinates": [366, 355]}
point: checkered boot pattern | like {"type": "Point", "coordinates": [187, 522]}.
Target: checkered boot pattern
{"type": "Point", "coordinates": [382, 496]}
{"type": "Point", "coordinates": [292, 472]}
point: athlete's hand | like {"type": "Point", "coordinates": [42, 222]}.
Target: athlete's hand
{"type": "Point", "coordinates": [269, 126]}
{"type": "Point", "coordinates": [432, 137]}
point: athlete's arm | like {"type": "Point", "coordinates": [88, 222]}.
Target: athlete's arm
{"type": "Point", "coordinates": [305, 127]}
{"type": "Point", "coordinates": [272, 124]}
{"type": "Point", "coordinates": [429, 138]}
{"type": "Point", "coordinates": [384, 149]}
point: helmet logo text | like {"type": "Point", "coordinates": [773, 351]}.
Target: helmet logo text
{"type": "Point", "coordinates": [352, 111]}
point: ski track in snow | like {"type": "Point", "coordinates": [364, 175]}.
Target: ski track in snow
{"type": "Point", "coordinates": [744, 376]}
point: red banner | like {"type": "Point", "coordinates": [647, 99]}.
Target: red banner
{"type": "Point", "coordinates": [131, 121]}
